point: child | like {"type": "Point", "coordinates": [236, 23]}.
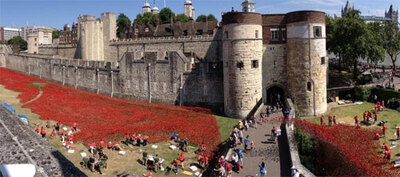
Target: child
{"type": "Point", "coordinates": [251, 145]}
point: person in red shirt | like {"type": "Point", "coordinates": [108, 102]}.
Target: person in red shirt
{"type": "Point", "coordinates": [133, 138]}
{"type": "Point", "coordinates": [176, 164]}
{"type": "Point", "coordinates": [387, 155]}
{"type": "Point", "coordinates": [37, 129]}
{"type": "Point", "coordinates": [398, 132]}
{"type": "Point", "coordinates": [182, 159]}
{"type": "Point", "coordinates": [101, 144]}
{"type": "Point", "coordinates": [67, 145]}
{"type": "Point", "coordinates": [356, 119]}
{"type": "Point", "coordinates": [385, 146]}
{"type": "Point", "coordinates": [150, 174]}
{"type": "Point", "coordinates": [330, 118]}
{"type": "Point", "coordinates": [377, 136]}
{"type": "Point", "coordinates": [369, 114]}
{"type": "Point", "coordinates": [376, 117]}
{"type": "Point", "coordinates": [384, 128]}
{"type": "Point", "coordinates": [43, 132]}
{"type": "Point", "coordinates": [127, 139]}
{"type": "Point", "coordinates": [52, 134]}
{"type": "Point", "coordinates": [322, 120]}
{"type": "Point", "coordinates": [71, 137]}
{"type": "Point", "coordinates": [228, 169]}
{"type": "Point", "coordinates": [365, 116]}
{"type": "Point", "coordinates": [358, 126]}
{"type": "Point", "coordinates": [375, 108]}
{"type": "Point", "coordinates": [74, 126]}
{"type": "Point", "coordinates": [200, 160]}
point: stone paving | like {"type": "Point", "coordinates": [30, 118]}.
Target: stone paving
{"type": "Point", "coordinates": [276, 156]}
{"type": "Point", "coordinates": [20, 144]}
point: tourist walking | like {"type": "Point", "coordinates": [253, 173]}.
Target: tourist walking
{"type": "Point", "coordinates": [263, 170]}
{"type": "Point", "coordinates": [321, 120]}
{"type": "Point", "coordinates": [246, 143]}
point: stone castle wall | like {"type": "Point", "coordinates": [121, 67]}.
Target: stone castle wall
{"type": "Point", "coordinates": [274, 68]}
{"type": "Point", "coordinates": [129, 78]}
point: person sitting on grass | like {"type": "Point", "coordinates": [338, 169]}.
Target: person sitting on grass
{"type": "Point", "coordinates": [183, 145]}
{"type": "Point", "coordinates": [385, 147]}
{"type": "Point", "coordinates": [74, 127]}
{"type": "Point", "coordinates": [202, 148]}
{"type": "Point", "coordinates": [109, 145]}
{"type": "Point", "coordinates": [117, 146]}
{"type": "Point", "coordinates": [133, 139]}
{"type": "Point", "coordinates": [48, 123]}
{"type": "Point", "coordinates": [68, 145]}
{"type": "Point", "coordinates": [43, 132]}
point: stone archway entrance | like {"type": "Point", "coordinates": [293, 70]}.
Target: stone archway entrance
{"type": "Point", "coordinates": [275, 94]}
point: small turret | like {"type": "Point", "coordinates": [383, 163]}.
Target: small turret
{"type": "Point", "coordinates": [248, 6]}
{"type": "Point", "coordinates": [146, 7]}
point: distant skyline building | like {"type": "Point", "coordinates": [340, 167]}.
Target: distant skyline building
{"type": "Point", "coordinates": [390, 16]}
{"type": "Point", "coordinates": [44, 33]}
{"type": "Point", "coordinates": [6, 33]}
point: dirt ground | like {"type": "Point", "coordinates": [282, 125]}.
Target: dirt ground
{"type": "Point", "coordinates": [117, 164]}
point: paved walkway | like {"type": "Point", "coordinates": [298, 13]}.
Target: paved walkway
{"type": "Point", "coordinates": [276, 156]}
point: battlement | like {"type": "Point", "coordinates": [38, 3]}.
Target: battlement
{"type": "Point", "coordinates": [84, 18]}
{"type": "Point", "coordinates": [164, 39]}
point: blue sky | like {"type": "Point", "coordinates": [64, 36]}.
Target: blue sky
{"type": "Point", "coordinates": [56, 13]}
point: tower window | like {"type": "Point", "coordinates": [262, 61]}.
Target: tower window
{"type": "Point", "coordinates": [284, 34]}
{"type": "Point", "coordinates": [240, 64]}
{"type": "Point", "coordinates": [226, 35]}
{"type": "Point", "coordinates": [199, 32]}
{"type": "Point", "coordinates": [274, 34]}
{"type": "Point", "coordinates": [322, 60]}
{"type": "Point", "coordinates": [317, 32]}
{"type": "Point", "coordinates": [254, 64]}
{"type": "Point", "coordinates": [308, 86]}
{"type": "Point", "coordinates": [256, 34]}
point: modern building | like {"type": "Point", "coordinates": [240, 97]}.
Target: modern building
{"type": "Point", "coordinates": [6, 33]}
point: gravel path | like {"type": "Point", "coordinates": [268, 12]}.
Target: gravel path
{"type": "Point", "coordinates": [276, 156]}
{"type": "Point", "coordinates": [20, 144]}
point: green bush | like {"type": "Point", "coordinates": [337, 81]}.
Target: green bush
{"type": "Point", "coordinates": [385, 94]}
{"type": "Point", "coordinates": [361, 93]}
{"type": "Point", "coordinates": [306, 147]}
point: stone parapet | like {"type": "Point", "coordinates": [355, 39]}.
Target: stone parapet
{"type": "Point", "coordinates": [164, 40]}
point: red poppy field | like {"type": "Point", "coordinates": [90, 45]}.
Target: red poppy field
{"type": "Point", "coordinates": [104, 118]}
{"type": "Point", "coordinates": [344, 150]}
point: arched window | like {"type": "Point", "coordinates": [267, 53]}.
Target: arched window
{"type": "Point", "coordinates": [308, 86]}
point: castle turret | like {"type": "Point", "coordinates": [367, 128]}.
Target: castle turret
{"type": "Point", "coordinates": [33, 44]}
{"type": "Point", "coordinates": [146, 7]}
{"type": "Point", "coordinates": [109, 31]}
{"type": "Point", "coordinates": [248, 6]}
{"type": "Point", "coordinates": [307, 61]}
{"type": "Point", "coordinates": [91, 38]}
{"type": "Point", "coordinates": [242, 57]}
{"type": "Point", "coordinates": [189, 10]}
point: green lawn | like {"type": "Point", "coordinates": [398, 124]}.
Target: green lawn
{"type": "Point", "coordinates": [347, 113]}
{"type": "Point", "coordinates": [226, 125]}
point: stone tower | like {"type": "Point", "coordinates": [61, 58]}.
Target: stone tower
{"type": "Point", "coordinates": [109, 31]}
{"type": "Point", "coordinates": [189, 10]}
{"type": "Point", "coordinates": [91, 38]}
{"type": "Point", "coordinates": [146, 7]}
{"type": "Point", "coordinates": [33, 44]}
{"type": "Point", "coordinates": [248, 6]}
{"type": "Point", "coordinates": [242, 57]}
{"type": "Point", "coordinates": [392, 14]}
{"type": "Point", "coordinates": [307, 61]}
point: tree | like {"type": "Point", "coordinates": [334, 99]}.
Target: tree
{"type": "Point", "coordinates": [375, 50]}
{"type": "Point", "coordinates": [147, 18]}
{"type": "Point", "coordinates": [18, 41]}
{"type": "Point", "coordinates": [352, 39]}
{"type": "Point", "coordinates": [123, 22]}
{"type": "Point", "coordinates": [211, 17]}
{"type": "Point", "coordinates": [56, 34]}
{"type": "Point", "coordinates": [201, 18]}
{"type": "Point", "coordinates": [391, 41]}
{"type": "Point", "coordinates": [166, 16]}
{"type": "Point", "coordinates": [182, 18]}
